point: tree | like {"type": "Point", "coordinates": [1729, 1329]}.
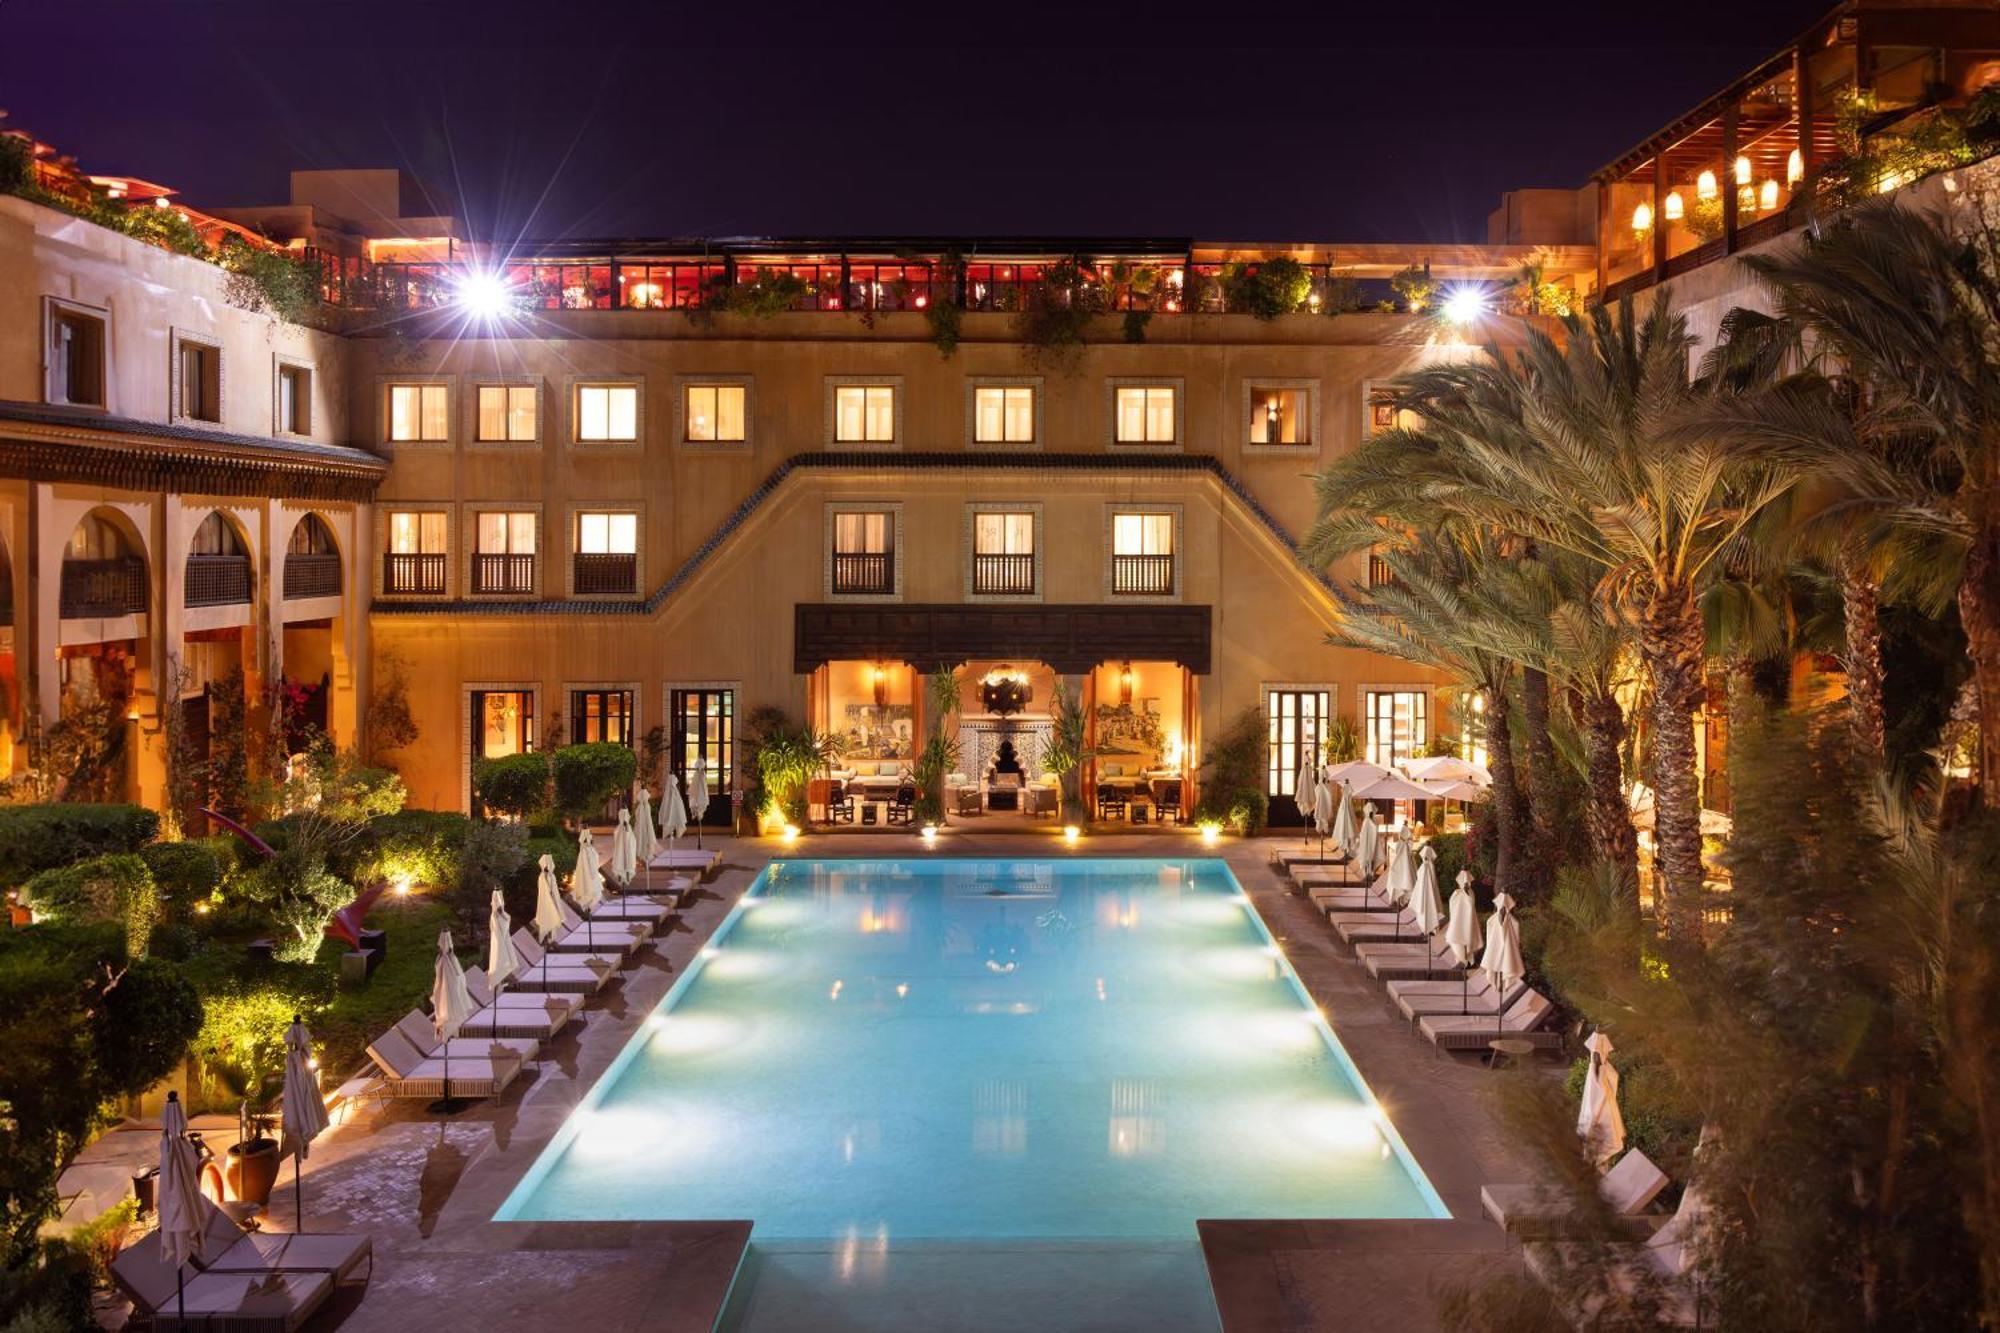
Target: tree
{"type": "Point", "coordinates": [515, 784]}
{"type": "Point", "coordinates": [588, 775]}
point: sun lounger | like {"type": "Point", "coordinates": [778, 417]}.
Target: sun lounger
{"type": "Point", "coordinates": [260, 1301]}
{"type": "Point", "coordinates": [1662, 1265]}
{"type": "Point", "coordinates": [1431, 959]}
{"type": "Point", "coordinates": [1452, 995]}
{"type": "Point", "coordinates": [1629, 1188]}
{"type": "Point", "coordinates": [1374, 927]}
{"type": "Point", "coordinates": [514, 1013]}
{"type": "Point", "coordinates": [699, 860]}
{"type": "Point", "coordinates": [571, 973]}
{"type": "Point", "coordinates": [407, 1072]}
{"type": "Point", "coordinates": [638, 908]}
{"type": "Point", "coordinates": [1307, 878]}
{"type": "Point", "coordinates": [228, 1248]}
{"type": "Point", "coordinates": [1526, 1019]}
{"type": "Point", "coordinates": [600, 949]}
{"type": "Point", "coordinates": [416, 1026]}
{"type": "Point", "coordinates": [1348, 898]}
{"type": "Point", "coordinates": [614, 939]}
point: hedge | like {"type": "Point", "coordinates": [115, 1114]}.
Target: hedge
{"type": "Point", "coordinates": [516, 784]}
{"type": "Point", "coordinates": [34, 838]}
{"type": "Point", "coordinates": [588, 775]}
{"type": "Point", "coordinates": [423, 845]}
{"type": "Point", "coordinates": [185, 871]}
{"type": "Point", "coordinates": [117, 887]}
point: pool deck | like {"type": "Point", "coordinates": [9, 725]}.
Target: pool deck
{"type": "Point", "coordinates": [426, 1188]}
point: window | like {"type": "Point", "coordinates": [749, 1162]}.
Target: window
{"type": "Point", "coordinates": [1396, 725]}
{"type": "Point", "coordinates": [607, 413]}
{"type": "Point", "coordinates": [419, 413]}
{"type": "Point", "coordinates": [414, 564]}
{"type": "Point", "coordinates": [1142, 555]}
{"type": "Point", "coordinates": [76, 357]}
{"type": "Point", "coordinates": [1003, 415]}
{"type": "Point", "coordinates": [1145, 415]}
{"type": "Point", "coordinates": [503, 723]}
{"type": "Point", "coordinates": [606, 559]}
{"type": "Point", "coordinates": [607, 533]}
{"type": "Point", "coordinates": [1280, 416]}
{"type": "Point", "coordinates": [218, 568]}
{"type": "Point", "coordinates": [864, 553]}
{"type": "Point", "coordinates": [507, 414]}
{"type": "Point", "coordinates": [417, 533]}
{"type": "Point", "coordinates": [1003, 553]}
{"type": "Point", "coordinates": [1296, 721]}
{"type": "Point", "coordinates": [601, 715]}
{"type": "Point", "coordinates": [1380, 573]}
{"type": "Point", "coordinates": [864, 414]}
{"type": "Point", "coordinates": [716, 413]}
{"type": "Point", "coordinates": [503, 557]}
{"type": "Point", "coordinates": [294, 400]}
{"type": "Point", "coordinates": [1380, 412]}
{"type": "Point", "coordinates": [198, 368]}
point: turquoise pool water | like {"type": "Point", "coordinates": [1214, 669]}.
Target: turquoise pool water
{"type": "Point", "coordinates": [878, 1052]}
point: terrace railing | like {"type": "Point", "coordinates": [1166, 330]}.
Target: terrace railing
{"type": "Point", "coordinates": [1142, 575]}
{"type": "Point", "coordinates": [507, 572]}
{"type": "Point", "coordinates": [310, 574]}
{"type": "Point", "coordinates": [114, 587]}
{"type": "Point", "coordinates": [864, 572]}
{"type": "Point", "coordinates": [1003, 575]}
{"type": "Point", "coordinates": [217, 580]}
{"type": "Point", "coordinates": [409, 574]}
{"type": "Point", "coordinates": [599, 574]}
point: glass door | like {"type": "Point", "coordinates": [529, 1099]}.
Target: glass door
{"type": "Point", "coordinates": [1296, 722]}
{"type": "Point", "coordinates": [502, 723]}
{"type": "Point", "coordinates": [703, 724]}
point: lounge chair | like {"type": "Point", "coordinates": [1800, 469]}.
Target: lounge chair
{"type": "Point", "coordinates": [1357, 928]}
{"type": "Point", "coordinates": [407, 1072]}
{"type": "Point", "coordinates": [611, 937]}
{"type": "Point", "coordinates": [1665, 1264]}
{"type": "Point", "coordinates": [568, 974]}
{"type": "Point", "coordinates": [228, 1248]}
{"type": "Point", "coordinates": [1629, 1188]}
{"type": "Point", "coordinates": [1351, 898]}
{"type": "Point", "coordinates": [698, 859]}
{"type": "Point", "coordinates": [262, 1300]}
{"type": "Point", "coordinates": [635, 908]}
{"type": "Point", "coordinates": [1526, 1019]}
{"type": "Point", "coordinates": [516, 1014]}
{"type": "Point", "coordinates": [416, 1026]}
{"type": "Point", "coordinates": [1419, 960]}
{"type": "Point", "coordinates": [600, 948]}
{"type": "Point", "coordinates": [1448, 995]}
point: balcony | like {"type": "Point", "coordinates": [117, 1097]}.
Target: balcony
{"type": "Point", "coordinates": [864, 573]}
{"type": "Point", "coordinates": [1003, 575]}
{"type": "Point", "coordinates": [312, 576]}
{"type": "Point", "coordinates": [409, 574]}
{"type": "Point", "coordinates": [1142, 575]}
{"type": "Point", "coordinates": [217, 580]}
{"type": "Point", "coordinates": [602, 575]}
{"type": "Point", "coordinates": [93, 588]}
{"type": "Point", "coordinates": [502, 573]}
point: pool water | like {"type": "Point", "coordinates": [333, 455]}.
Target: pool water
{"type": "Point", "coordinates": [875, 1053]}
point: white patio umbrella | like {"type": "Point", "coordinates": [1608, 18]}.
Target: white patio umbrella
{"type": "Point", "coordinates": [1355, 772]}
{"type": "Point", "coordinates": [177, 1196]}
{"type": "Point", "coordinates": [1402, 872]}
{"type": "Point", "coordinates": [646, 836]}
{"type": "Point", "coordinates": [1345, 830]}
{"type": "Point", "coordinates": [548, 910]}
{"type": "Point", "coordinates": [1426, 904]}
{"type": "Point", "coordinates": [1369, 844]}
{"type": "Point", "coordinates": [1444, 768]}
{"type": "Point", "coordinates": [302, 1110]}
{"type": "Point", "coordinates": [586, 885]}
{"type": "Point", "coordinates": [624, 851]}
{"type": "Point", "coordinates": [1461, 932]}
{"type": "Point", "coordinates": [1599, 1121]}
{"type": "Point", "coordinates": [673, 823]}
{"type": "Point", "coordinates": [1501, 962]}
{"type": "Point", "coordinates": [1455, 789]}
{"type": "Point", "coordinates": [697, 796]}
{"type": "Point", "coordinates": [1323, 812]}
{"type": "Point", "coordinates": [1393, 787]}
{"type": "Point", "coordinates": [502, 958]}
{"type": "Point", "coordinates": [451, 1005]}
{"type": "Point", "coordinates": [1306, 792]}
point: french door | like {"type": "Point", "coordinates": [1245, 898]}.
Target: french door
{"type": "Point", "coordinates": [702, 723]}
{"type": "Point", "coordinates": [1296, 722]}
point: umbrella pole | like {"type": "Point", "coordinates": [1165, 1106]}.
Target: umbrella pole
{"type": "Point", "coordinates": [180, 1296]}
{"type": "Point", "coordinates": [298, 1194]}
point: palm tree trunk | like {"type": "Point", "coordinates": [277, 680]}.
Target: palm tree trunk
{"type": "Point", "coordinates": [1862, 657]}
{"type": "Point", "coordinates": [1672, 641]}
{"type": "Point", "coordinates": [1604, 763]}
{"type": "Point", "coordinates": [1507, 810]}
{"type": "Point", "coordinates": [1540, 796]}
{"type": "Point", "coordinates": [1979, 613]}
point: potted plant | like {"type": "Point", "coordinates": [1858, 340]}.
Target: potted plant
{"type": "Point", "coordinates": [250, 1166]}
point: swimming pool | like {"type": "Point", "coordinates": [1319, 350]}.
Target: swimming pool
{"type": "Point", "coordinates": [980, 1050]}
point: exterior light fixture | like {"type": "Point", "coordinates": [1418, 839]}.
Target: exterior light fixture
{"type": "Point", "coordinates": [1742, 170]}
{"type": "Point", "coordinates": [1462, 305]}
{"type": "Point", "coordinates": [1704, 185]}
{"type": "Point", "coordinates": [1071, 833]}
{"type": "Point", "coordinates": [930, 834]}
{"type": "Point", "coordinates": [1125, 685]}
{"type": "Point", "coordinates": [881, 680]}
{"type": "Point", "coordinates": [1767, 196]}
{"type": "Point", "coordinates": [482, 294]}
{"type": "Point", "coordinates": [1672, 209]}
{"type": "Point", "coordinates": [791, 833]}
{"type": "Point", "coordinates": [1795, 167]}
{"type": "Point", "coordinates": [1642, 218]}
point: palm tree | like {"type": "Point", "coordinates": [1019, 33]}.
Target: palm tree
{"type": "Point", "coordinates": [1906, 304]}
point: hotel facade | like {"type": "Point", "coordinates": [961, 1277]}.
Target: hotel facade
{"type": "Point", "coordinates": [583, 492]}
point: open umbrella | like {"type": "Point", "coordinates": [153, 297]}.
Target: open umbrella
{"type": "Point", "coordinates": [451, 1005]}
{"type": "Point", "coordinates": [548, 910]}
{"type": "Point", "coordinates": [502, 958]}
{"type": "Point", "coordinates": [1599, 1120]}
{"type": "Point", "coordinates": [586, 886]}
{"type": "Point", "coordinates": [302, 1110]}
{"type": "Point", "coordinates": [673, 822]}
{"type": "Point", "coordinates": [1355, 772]}
{"type": "Point", "coordinates": [1444, 768]}
{"type": "Point", "coordinates": [1501, 962]}
{"type": "Point", "coordinates": [1392, 787]}
{"type": "Point", "coordinates": [1425, 902]}
{"type": "Point", "coordinates": [1368, 844]}
{"type": "Point", "coordinates": [178, 1198]}
{"type": "Point", "coordinates": [646, 837]}
{"type": "Point", "coordinates": [1461, 932]}
{"type": "Point", "coordinates": [697, 796]}
{"type": "Point", "coordinates": [624, 851]}
{"type": "Point", "coordinates": [1323, 812]}
{"type": "Point", "coordinates": [1455, 789]}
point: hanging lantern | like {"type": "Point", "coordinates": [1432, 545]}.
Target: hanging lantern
{"type": "Point", "coordinates": [1672, 208]}
{"type": "Point", "coordinates": [1795, 167]}
{"type": "Point", "coordinates": [1642, 218]}
{"type": "Point", "coordinates": [1742, 171]}
{"type": "Point", "coordinates": [1767, 196]}
{"type": "Point", "coordinates": [1704, 185]}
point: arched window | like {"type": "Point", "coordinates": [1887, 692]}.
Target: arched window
{"type": "Point", "coordinates": [215, 536]}
{"type": "Point", "coordinates": [312, 561]}
{"type": "Point", "coordinates": [97, 538]}
{"type": "Point", "coordinates": [218, 565]}
{"type": "Point", "coordinates": [103, 573]}
{"type": "Point", "coordinates": [312, 537]}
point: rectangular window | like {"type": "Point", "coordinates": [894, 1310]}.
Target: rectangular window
{"type": "Point", "coordinates": [417, 533]}
{"type": "Point", "coordinates": [1142, 555]}
{"type": "Point", "coordinates": [295, 400]}
{"type": "Point", "coordinates": [703, 727]}
{"type": "Point", "coordinates": [1397, 725]}
{"type": "Point", "coordinates": [864, 414]}
{"type": "Point", "coordinates": [76, 358]}
{"type": "Point", "coordinates": [419, 413]}
{"type": "Point", "coordinates": [715, 413]}
{"type": "Point", "coordinates": [507, 413]}
{"type": "Point", "coordinates": [607, 412]}
{"type": "Point", "coordinates": [503, 723]}
{"type": "Point", "coordinates": [503, 557]}
{"type": "Point", "coordinates": [201, 381]}
{"type": "Point", "coordinates": [414, 564]}
{"type": "Point", "coordinates": [606, 559]}
{"type": "Point", "coordinates": [1145, 415]}
{"type": "Point", "coordinates": [1142, 534]}
{"type": "Point", "coordinates": [1003, 534]}
{"type": "Point", "coordinates": [607, 533]}
{"type": "Point", "coordinates": [1382, 414]}
{"type": "Point", "coordinates": [1280, 416]}
{"type": "Point", "coordinates": [1296, 721]}
{"type": "Point", "coordinates": [1003, 554]}
{"type": "Point", "coordinates": [601, 715]}
{"type": "Point", "coordinates": [1003, 415]}
{"type": "Point", "coordinates": [864, 553]}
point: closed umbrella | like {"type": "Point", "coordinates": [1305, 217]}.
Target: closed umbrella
{"type": "Point", "coordinates": [502, 958]}
{"type": "Point", "coordinates": [1323, 812]}
{"type": "Point", "coordinates": [1402, 873]}
{"type": "Point", "coordinates": [673, 822]}
{"type": "Point", "coordinates": [1501, 962]}
{"type": "Point", "coordinates": [1598, 1120]}
{"type": "Point", "coordinates": [1461, 932]}
{"type": "Point", "coordinates": [302, 1109]}
{"type": "Point", "coordinates": [178, 1198]}
{"type": "Point", "coordinates": [586, 886]}
{"type": "Point", "coordinates": [1305, 793]}
{"type": "Point", "coordinates": [697, 796]}
{"type": "Point", "coordinates": [1426, 904]}
{"type": "Point", "coordinates": [548, 910]}
{"type": "Point", "coordinates": [1369, 845]}
{"type": "Point", "coordinates": [1345, 830]}
{"type": "Point", "coordinates": [451, 1005]}
{"type": "Point", "coordinates": [624, 851]}
{"type": "Point", "coordinates": [646, 837]}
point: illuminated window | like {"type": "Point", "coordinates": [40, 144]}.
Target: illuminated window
{"type": "Point", "coordinates": [1142, 555]}
{"type": "Point", "coordinates": [607, 413]}
{"type": "Point", "coordinates": [503, 554]}
{"type": "Point", "coordinates": [1142, 534]}
{"type": "Point", "coordinates": [503, 723]}
{"type": "Point", "coordinates": [1396, 725]}
{"type": "Point", "coordinates": [417, 532]}
{"type": "Point", "coordinates": [601, 715]}
{"type": "Point", "coordinates": [607, 533]}
{"type": "Point", "coordinates": [864, 414]}
{"type": "Point", "coordinates": [1145, 415]}
{"type": "Point", "coordinates": [419, 413]}
{"type": "Point", "coordinates": [415, 562]}
{"type": "Point", "coordinates": [1380, 412]}
{"type": "Point", "coordinates": [1280, 416]}
{"type": "Point", "coordinates": [1003, 415]}
{"type": "Point", "coordinates": [1296, 727]}
{"type": "Point", "coordinates": [715, 413]}
{"type": "Point", "coordinates": [1003, 554]}
{"type": "Point", "coordinates": [507, 413]}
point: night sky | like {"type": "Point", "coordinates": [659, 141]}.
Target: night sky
{"type": "Point", "coordinates": [1401, 120]}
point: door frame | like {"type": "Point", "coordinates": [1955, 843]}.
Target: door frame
{"type": "Point", "coordinates": [719, 816]}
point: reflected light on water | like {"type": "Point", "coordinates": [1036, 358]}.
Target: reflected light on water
{"type": "Point", "coordinates": [861, 1256]}
{"type": "Point", "coordinates": [1346, 1129]}
{"type": "Point", "coordinates": [696, 1034]}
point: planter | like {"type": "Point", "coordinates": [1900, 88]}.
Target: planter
{"type": "Point", "coordinates": [252, 1170]}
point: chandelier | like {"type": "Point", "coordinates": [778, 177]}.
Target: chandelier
{"type": "Point", "coordinates": [1005, 690]}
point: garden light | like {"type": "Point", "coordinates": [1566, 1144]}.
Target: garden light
{"type": "Point", "coordinates": [1071, 833]}
{"type": "Point", "coordinates": [1210, 831]}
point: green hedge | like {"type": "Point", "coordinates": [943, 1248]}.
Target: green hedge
{"type": "Point", "coordinates": [425, 845]}
{"type": "Point", "coordinates": [515, 784]}
{"type": "Point", "coordinates": [185, 871]}
{"type": "Point", "coordinates": [34, 838]}
{"type": "Point", "coordinates": [588, 775]}
{"type": "Point", "coordinates": [117, 888]}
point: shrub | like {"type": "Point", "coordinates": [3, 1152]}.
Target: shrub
{"type": "Point", "coordinates": [150, 1016]}
{"type": "Point", "coordinates": [490, 855]}
{"type": "Point", "coordinates": [516, 784]}
{"type": "Point", "coordinates": [1232, 790]}
{"type": "Point", "coordinates": [420, 846]}
{"type": "Point", "coordinates": [241, 1043]}
{"type": "Point", "coordinates": [1452, 854]}
{"type": "Point", "coordinates": [34, 838]}
{"type": "Point", "coordinates": [184, 871]}
{"type": "Point", "coordinates": [300, 895]}
{"type": "Point", "coordinates": [117, 888]}
{"type": "Point", "coordinates": [588, 775]}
